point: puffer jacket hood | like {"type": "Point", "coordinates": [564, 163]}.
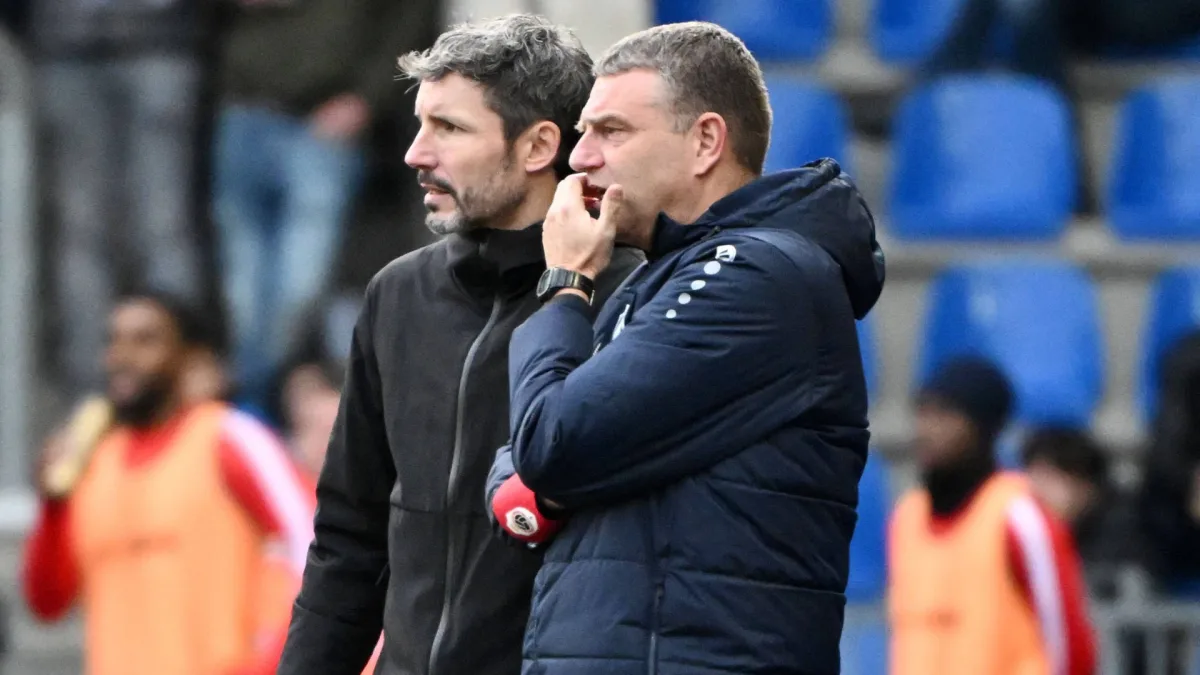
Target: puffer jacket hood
{"type": "Point", "coordinates": [817, 201]}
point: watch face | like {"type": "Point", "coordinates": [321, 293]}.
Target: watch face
{"type": "Point", "coordinates": [544, 283]}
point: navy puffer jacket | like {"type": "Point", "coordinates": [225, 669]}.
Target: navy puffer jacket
{"type": "Point", "coordinates": [705, 439]}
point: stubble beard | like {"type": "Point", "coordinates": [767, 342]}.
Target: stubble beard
{"type": "Point", "coordinates": [481, 208]}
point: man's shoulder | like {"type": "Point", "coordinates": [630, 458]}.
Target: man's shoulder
{"type": "Point", "coordinates": [405, 268]}
{"type": "Point", "coordinates": [775, 251]}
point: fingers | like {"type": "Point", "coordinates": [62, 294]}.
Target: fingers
{"type": "Point", "coordinates": [612, 206]}
{"type": "Point", "coordinates": [570, 189]}
{"type": "Point", "coordinates": [568, 198]}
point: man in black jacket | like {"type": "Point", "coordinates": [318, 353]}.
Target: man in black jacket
{"type": "Point", "coordinates": [119, 87]}
{"type": "Point", "coordinates": [402, 538]}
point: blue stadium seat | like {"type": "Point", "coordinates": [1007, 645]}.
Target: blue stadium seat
{"type": "Point", "coordinates": [866, 345]}
{"type": "Point", "coordinates": [810, 123]}
{"type": "Point", "coordinates": [865, 648]}
{"type": "Point", "coordinates": [1036, 319]}
{"type": "Point", "coordinates": [982, 157]}
{"type": "Point", "coordinates": [905, 31]}
{"type": "Point", "coordinates": [868, 548]}
{"type": "Point", "coordinates": [1154, 185]}
{"type": "Point", "coordinates": [774, 30]}
{"type": "Point", "coordinates": [1174, 310]}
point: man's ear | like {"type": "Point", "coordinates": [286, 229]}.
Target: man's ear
{"type": "Point", "coordinates": [709, 136]}
{"type": "Point", "coordinates": [539, 146]}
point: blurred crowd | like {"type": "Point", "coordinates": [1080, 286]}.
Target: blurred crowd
{"type": "Point", "coordinates": [217, 182]}
{"type": "Point", "coordinates": [227, 153]}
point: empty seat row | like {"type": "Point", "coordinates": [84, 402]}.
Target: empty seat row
{"type": "Point", "coordinates": [900, 31]}
{"type": "Point", "coordinates": [1039, 319]}
{"type": "Point", "coordinates": [994, 157]}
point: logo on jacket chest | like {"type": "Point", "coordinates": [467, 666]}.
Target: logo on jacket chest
{"type": "Point", "coordinates": [620, 326]}
{"type": "Point", "coordinates": [617, 328]}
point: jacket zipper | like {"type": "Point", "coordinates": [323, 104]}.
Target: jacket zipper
{"type": "Point", "coordinates": [652, 657]}
{"type": "Point", "coordinates": [455, 469]}
{"type": "Point", "coordinates": [659, 583]}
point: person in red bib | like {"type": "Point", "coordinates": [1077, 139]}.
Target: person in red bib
{"type": "Point", "coordinates": [983, 578]}
{"type": "Point", "coordinates": [161, 537]}
{"type": "Point", "coordinates": [310, 396]}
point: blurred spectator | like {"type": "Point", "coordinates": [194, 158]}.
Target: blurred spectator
{"type": "Point", "coordinates": [289, 154]}
{"type": "Point", "coordinates": [14, 14]}
{"type": "Point", "coordinates": [310, 395]}
{"type": "Point", "coordinates": [1069, 473]}
{"type": "Point", "coordinates": [120, 84]}
{"type": "Point", "coordinates": [958, 543]}
{"type": "Point", "coordinates": [320, 342]}
{"type": "Point", "coordinates": [157, 511]}
{"type": "Point", "coordinates": [204, 377]}
{"type": "Point", "coordinates": [1170, 497]}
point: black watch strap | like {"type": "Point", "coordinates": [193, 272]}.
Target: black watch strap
{"type": "Point", "coordinates": [556, 279]}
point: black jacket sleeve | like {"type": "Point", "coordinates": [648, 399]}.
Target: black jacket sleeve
{"type": "Point", "coordinates": [338, 615]}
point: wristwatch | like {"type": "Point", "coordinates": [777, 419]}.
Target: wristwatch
{"type": "Point", "coordinates": [556, 279]}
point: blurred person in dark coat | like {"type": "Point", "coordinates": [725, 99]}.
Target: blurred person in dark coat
{"type": "Point", "coordinates": [300, 83]}
{"type": "Point", "coordinates": [120, 87]}
{"type": "Point", "coordinates": [1170, 496]}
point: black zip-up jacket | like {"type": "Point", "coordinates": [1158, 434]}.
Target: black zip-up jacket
{"type": "Point", "coordinates": [403, 540]}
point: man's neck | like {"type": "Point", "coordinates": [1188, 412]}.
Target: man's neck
{"type": "Point", "coordinates": [161, 416]}
{"type": "Point", "coordinates": [720, 184]}
{"type": "Point", "coordinates": [532, 210]}
{"type": "Point", "coordinates": [951, 487]}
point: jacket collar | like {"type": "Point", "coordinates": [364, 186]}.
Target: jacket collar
{"type": "Point", "coordinates": [481, 257]}
{"type": "Point", "coordinates": [671, 235]}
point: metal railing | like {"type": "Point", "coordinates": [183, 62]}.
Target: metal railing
{"type": "Point", "coordinates": [17, 276]}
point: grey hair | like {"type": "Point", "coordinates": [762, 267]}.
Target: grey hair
{"type": "Point", "coordinates": [705, 69]}
{"type": "Point", "coordinates": [530, 70]}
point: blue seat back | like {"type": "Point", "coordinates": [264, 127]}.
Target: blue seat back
{"type": "Point", "coordinates": [1036, 319]}
{"type": "Point", "coordinates": [868, 548]}
{"type": "Point", "coordinates": [982, 157]}
{"type": "Point", "coordinates": [1174, 310]}
{"type": "Point", "coordinates": [774, 30]}
{"type": "Point", "coordinates": [870, 356]}
{"type": "Point", "coordinates": [810, 122]}
{"type": "Point", "coordinates": [864, 648]}
{"type": "Point", "coordinates": [907, 31]}
{"type": "Point", "coordinates": [1154, 182]}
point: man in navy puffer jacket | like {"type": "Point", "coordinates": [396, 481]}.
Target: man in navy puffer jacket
{"type": "Point", "coordinates": [701, 446]}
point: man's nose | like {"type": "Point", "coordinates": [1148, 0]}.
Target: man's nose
{"type": "Point", "coordinates": [420, 154]}
{"type": "Point", "coordinates": [586, 156]}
